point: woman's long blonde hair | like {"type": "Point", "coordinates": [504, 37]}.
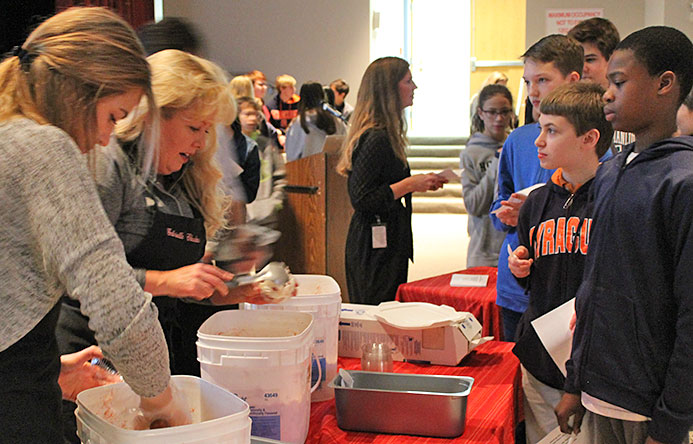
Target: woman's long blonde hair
{"type": "Point", "coordinates": [378, 105]}
{"type": "Point", "coordinates": [184, 82]}
{"type": "Point", "coordinates": [70, 62]}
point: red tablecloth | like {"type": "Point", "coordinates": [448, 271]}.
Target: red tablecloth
{"type": "Point", "coordinates": [479, 301]}
{"type": "Point", "coordinates": [494, 405]}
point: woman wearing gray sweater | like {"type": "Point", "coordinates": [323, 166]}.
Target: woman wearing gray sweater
{"type": "Point", "coordinates": [479, 160]}
{"type": "Point", "coordinates": [58, 98]}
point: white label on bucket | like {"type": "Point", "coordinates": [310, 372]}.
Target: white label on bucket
{"type": "Point", "coordinates": [266, 426]}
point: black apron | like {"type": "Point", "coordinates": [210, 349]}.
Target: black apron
{"type": "Point", "coordinates": [173, 242]}
{"type": "Point", "coordinates": [30, 397]}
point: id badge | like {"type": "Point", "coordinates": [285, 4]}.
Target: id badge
{"type": "Point", "coordinates": [379, 235]}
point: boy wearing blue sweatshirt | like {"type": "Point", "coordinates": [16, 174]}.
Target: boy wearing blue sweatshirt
{"type": "Point", "coordinates": [553, 231]}
{"type": "Point", "coordinates": [632, 358]}
{"type": "Point", "coordinates": [551, 62]}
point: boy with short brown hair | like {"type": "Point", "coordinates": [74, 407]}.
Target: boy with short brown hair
{"type": "Point", "coordinates": [551, 62]}
{"type": "Point", "coordinates": [553, 231]}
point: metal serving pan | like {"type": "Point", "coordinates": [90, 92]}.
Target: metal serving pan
{"type": "Point", "coordinates": [407, 404]}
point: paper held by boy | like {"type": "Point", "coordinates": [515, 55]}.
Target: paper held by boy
{"type": "Point", "coordinates": [555, 436]}
{"type": "Point", "coordinates": [553, 329]}
{"type": "Point", "coordinates": [415, 331]}
{"type": "Point", "coordinates": [525, 192]}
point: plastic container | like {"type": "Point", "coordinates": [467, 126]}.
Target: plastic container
{"type": "Point", "coordinates": [404, 404]}
{"type": "Point", "coordinates": [320, 296]}
{"type": "Point", "coordinates": [218, 416]}
{"type": "Point", "coordinates": [265, 359]}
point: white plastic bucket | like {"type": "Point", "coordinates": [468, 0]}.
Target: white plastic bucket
{"type": "Point", "coordinates": [265, 359]}
{"type": "Point", "coordinates": [320, 296]}
{"type": "Point", "coordinates": [218, 416]}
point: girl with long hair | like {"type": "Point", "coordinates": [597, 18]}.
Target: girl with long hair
{"type": "Point", "coordinates": [479, 162]}
{"type": "Point", "coordinates": [379, 243]}
{"type": "Point", "coordinates": [307, 133]}
{"type": "Point", "coordinates": [61, 92]}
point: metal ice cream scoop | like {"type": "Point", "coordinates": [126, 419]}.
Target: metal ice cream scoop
{"type": "Point", "coordinates": [276, 272]}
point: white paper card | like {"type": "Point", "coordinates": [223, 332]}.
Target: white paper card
{"type": "Point", "coordinates": [553, 330]}
{"type": "Point", "coordinates": [451, 175]}
{"type": "Point", "coordinates": [555, 436]}
{"type": "Point", "coordinates": [529, 189]}
{"type": "Point", "coordinates": [502, 207]}
{"type": "Point", "coordinates": [469, 280]}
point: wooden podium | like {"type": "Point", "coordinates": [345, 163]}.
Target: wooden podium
{"type": "Point", "coordinates": [315, 219]}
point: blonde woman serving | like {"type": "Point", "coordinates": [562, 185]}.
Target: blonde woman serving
{"type": "Point", "coordinates": [164, 218]}
{"type": "Point", "coordinates": [379, 242]}
{"type": "Point", "coordinates": [61, 92]}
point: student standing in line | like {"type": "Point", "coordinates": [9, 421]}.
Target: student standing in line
{"type": "Point", "coordinates": [61, 94]}
{"type": "Point", "coordinates": [479, 163]}
{"type": "Point", "coordinates": [307, 133]}
{"type": "Point", "coordinates": [379, 243]}
{"type": "Point", "coordinates": [598, 38]}
{"type": "Point", "coordinates": [341, 89]}
{"type": "Point", "coordinates": [631, 362]}
{"type": "Point", "coordinates": [551, 62]}
{"type": "Point", "coordinates": [283, 107]}
{"type": "Point", "coordinates": [264, 210]}
{"type": "Point", "coordinates": [553, 233]}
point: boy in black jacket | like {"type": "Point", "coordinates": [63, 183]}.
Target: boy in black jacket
{"type": "Point", "coordinates": [632, 358]}
{"type": "Point", "coordinates": [553, 232]}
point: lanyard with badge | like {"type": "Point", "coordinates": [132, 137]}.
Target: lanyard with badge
{"type": "Point", "coordinates": [379, 233]}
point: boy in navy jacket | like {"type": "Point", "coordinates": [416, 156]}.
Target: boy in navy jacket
{"type": "Point", "coordinates": [553, 231]}
{"type": "Point", "coordinates": [632, 358]}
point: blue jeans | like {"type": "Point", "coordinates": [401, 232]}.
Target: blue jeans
{"type": "Point", "coordinates": [510, 320]}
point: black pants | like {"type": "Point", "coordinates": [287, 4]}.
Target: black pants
{"type": "Point", "coordinates": [30, 396]}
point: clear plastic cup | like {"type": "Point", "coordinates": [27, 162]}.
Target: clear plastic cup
{"type": "Point", "coordinates": [376, 357]}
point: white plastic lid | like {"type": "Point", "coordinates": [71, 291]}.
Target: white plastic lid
{"type": "Point", "coordinates": [417, 315]}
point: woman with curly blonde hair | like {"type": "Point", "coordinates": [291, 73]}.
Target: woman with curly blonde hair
{"type": "Point", "coordinates": [164, 218]}
{"type": "Point", "coordinates": [379, 243]}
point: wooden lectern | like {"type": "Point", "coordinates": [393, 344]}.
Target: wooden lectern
{"type": "Point", "coordinates": [315, 218]}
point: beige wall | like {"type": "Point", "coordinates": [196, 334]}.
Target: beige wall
{"type": "Point", "coordinates": [627, 15]}
{"type": "Point", "coordinates": [325, 39]}
{"type": "Point", "coordinates": [317, 40]}
{"type": "Point", "coordinates": [493, 39]}
{"type": "Point", "coordinates": [678, 13]}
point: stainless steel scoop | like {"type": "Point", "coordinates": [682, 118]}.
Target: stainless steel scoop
{"type": "Point", "coordinates": [276, 272]}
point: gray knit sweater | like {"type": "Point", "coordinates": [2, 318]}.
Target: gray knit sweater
{"type": "Point", "coordinates": [55, 239]}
